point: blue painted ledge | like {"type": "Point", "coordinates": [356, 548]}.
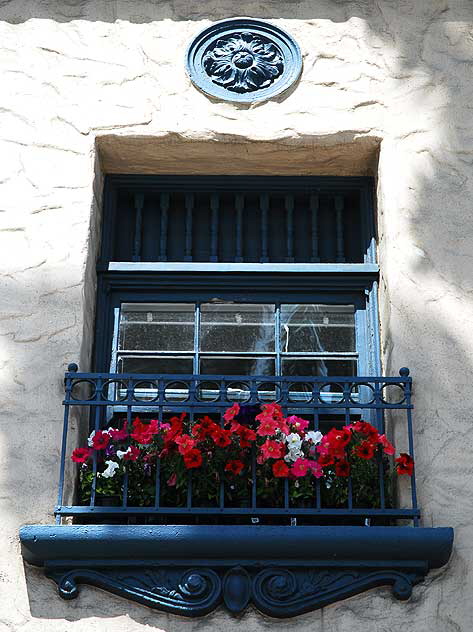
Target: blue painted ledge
{"type": "Point", "coordinates": [190, 570]}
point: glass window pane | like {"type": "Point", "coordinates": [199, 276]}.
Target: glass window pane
{"type": "Point", "coordinates": [311, 366]}
{"type": "Point", "coordinates": [237, 327]}
{"type": "Point", "coordinates": [237, 366]}
{"type": "Point", "coordinates": [155, 366]}
{"type": "Point", "coordinates": [317, 328]}
{"type": "Point", "coordinates": [157, 327]}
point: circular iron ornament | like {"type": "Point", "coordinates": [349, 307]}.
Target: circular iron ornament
{"type": "Point", "coordinates": [243, 60]}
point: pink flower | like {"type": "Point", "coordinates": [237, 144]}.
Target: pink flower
{"type": "Point", "coordinates": [316, 469]}
{"type": "Point", "coordinates": [172, 480]}
{"type": "Point", "coordinates": [387, 446]}
{"type": "Point", "coordinates": [300, 467]}
{"type": "Point", "coordinates": [272, 449]}
{"type": "Point", "coordinates": [231, 412]}
{"type": "Point", "coordinates": [298, 423]}
{"type": "Point", "coordinates": [119, 435]}
{"type": "Point", "coordinates": [267, 427]}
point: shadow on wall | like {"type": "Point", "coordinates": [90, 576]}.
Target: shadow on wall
{"type": "Point", "coordinates": [427, 304]}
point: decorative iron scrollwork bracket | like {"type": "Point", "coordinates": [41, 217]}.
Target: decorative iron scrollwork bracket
{"type": "Point", "coordinates": [190, 570]}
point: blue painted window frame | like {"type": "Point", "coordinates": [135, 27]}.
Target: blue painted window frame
{"type": "Point", "coordinates": [326, 283]}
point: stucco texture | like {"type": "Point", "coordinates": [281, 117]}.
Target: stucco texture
{"type": "Point", "coordinates": [96, 86]}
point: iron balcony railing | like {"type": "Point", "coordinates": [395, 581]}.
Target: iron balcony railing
{"type": "Point", "coordinates": [104, 399]}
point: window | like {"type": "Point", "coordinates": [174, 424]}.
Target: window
{"type": "Point", "coordinates": [244, 290]}
{"type": "Point", "coordinates": [237, 276]}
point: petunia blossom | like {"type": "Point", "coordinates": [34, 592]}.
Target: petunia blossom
{"type": "Point", "coordinates": [112, 467]}
{"type": "Point", "coordinates": [272, 449]}
{"type": "Point", "coordinates": [280, 469]}
{"type": "Point", "coordinates": [388, 447]}
{"type": "Point", "coordinates": [300, 468]}
{"type": "Point", "coordinates": [405, 464]}
{"type": "Point", "coordinates": [297, 423]}
{"type": "Point", "coordinates": [81, 455]}
{"type": "Point", "coordinates": [315, 436]}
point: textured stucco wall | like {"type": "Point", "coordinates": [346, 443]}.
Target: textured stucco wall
{"type": "Point", "coordinates": [90, 77]}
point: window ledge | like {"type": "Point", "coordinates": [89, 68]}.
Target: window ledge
{"type": "Point", "coordinates": [190, 570]}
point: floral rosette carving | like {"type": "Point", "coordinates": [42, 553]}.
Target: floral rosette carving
{"type": "Point", "coordinates": [243, 62]}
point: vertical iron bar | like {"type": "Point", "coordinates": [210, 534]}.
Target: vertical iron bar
{"type": "Point", "coordinates": [98, 391]}
{"type": "Point", "coordinates": [404, 372]}
{"type": "Point", "coordinates": [339, 205]}
{"type": "Point", "coordinates": [253, 477]}
{"type": "Point", "coordinates": [277, 338]}
{"type": "Point", "coordinates": [163, 237]}
{"type": "Point", "coordinates": [65, 428]}
{"type": "Point", "coordinates": [264, 206]}
{"type": "Point", "coordinates": [157, 490]}
{"type": "Point", "coordinates": [346, 398]}
{"type": "Point", "coordinates": [239, 205]}
{"type": "Point", "coordinates": [196, 339]}
{"type": "Point", "coordinates": [189, 218]}
{"type": "Point", "coordinates": [129, 390]}
{"type": "Point", "coordinates": [289, 204]}
{"type": "Point", "coordinates": [214, 206]}
{"type": "Point", "coordinates": [139, 199]}
{"type": "Point", "coordinates": [314, 210]}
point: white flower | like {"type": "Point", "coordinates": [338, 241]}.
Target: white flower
{"type": "Point", "coordinates": [121, 453]}
{"type": "Point", "coordinates": [315, 437]}
{"type": "Point", "coordinates": [294, 441]}
{"type": "Point", "coordinates": [293, 455]}
{"type": "Point", "coordinates": [110, 471]}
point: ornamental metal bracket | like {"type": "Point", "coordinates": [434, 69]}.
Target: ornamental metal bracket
{"type": "Point", "coordinates": [190, 570]}
{"type": "Point", "coordinates": [243, 60]}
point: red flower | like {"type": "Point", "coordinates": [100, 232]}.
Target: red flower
{"type": "Point", "coordinates": [132, 453]}
{"type": "Point", "coordinates": [246, 436]}
{"type": "Point", "coordinates": [364, 428]}
{"type": "Point", "coordinates": [338, 438]}
{"type": "Point", "coordinates": [387, 446]}
{"type": "Point", "coordinates": [143, 433]}
{"type": "Point", "coordinates": [365, 450]}
{"type": "Point", "coordinates": [405, 464]}
{"type": "Point", "coordinates": [100, 440]}
{"type": "Point", "coordinates": [280, 469]}
{"type": "Point", "coordinates": [272, 449]}
{"type": "Point", "coordinates": [342, 468]}
{"type": "Point", "coordinates": [325, 460]}
{"type": "Point", "coordinates": [204, 428]}
{"type": "Point", "coordinates": [119, 435]}
{"type": "Point", "coordinates": [271, 410]}
{"type": "Point", "coordinates": [81, 455]}
{"type": "Point", "coordinates": [267, 426]}
{"type": "Point", "coordinates": [185, 443]}
{"type": "Point", "coordinates": [193, 458]}
{"type": "Point", "coordinates": [221, 437]}
{"type": "Point", "coordinates": [231, 412]}
{"type": "Point", "coordinates": [235, 467]}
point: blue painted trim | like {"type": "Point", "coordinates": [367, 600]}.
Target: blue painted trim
{"type": "Point", "coordinates": [279, 41]}
{"type": "Point", "coordinates": [190, 570]}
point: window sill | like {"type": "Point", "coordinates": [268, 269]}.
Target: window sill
{"type": "Point", "coordinates": [189, 570]}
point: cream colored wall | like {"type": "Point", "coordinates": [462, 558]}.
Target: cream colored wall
{"type": "Point", "coordinates": [93, 85]}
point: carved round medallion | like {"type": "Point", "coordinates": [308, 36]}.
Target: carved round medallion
{"type": "Point", "coordinates": [243, 60]}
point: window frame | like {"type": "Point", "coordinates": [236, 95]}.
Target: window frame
{"type": "Point", "coordinates": [135, 281]}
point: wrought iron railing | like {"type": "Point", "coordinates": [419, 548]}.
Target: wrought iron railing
{"type": "Point", "coordinates": [103, 398]}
